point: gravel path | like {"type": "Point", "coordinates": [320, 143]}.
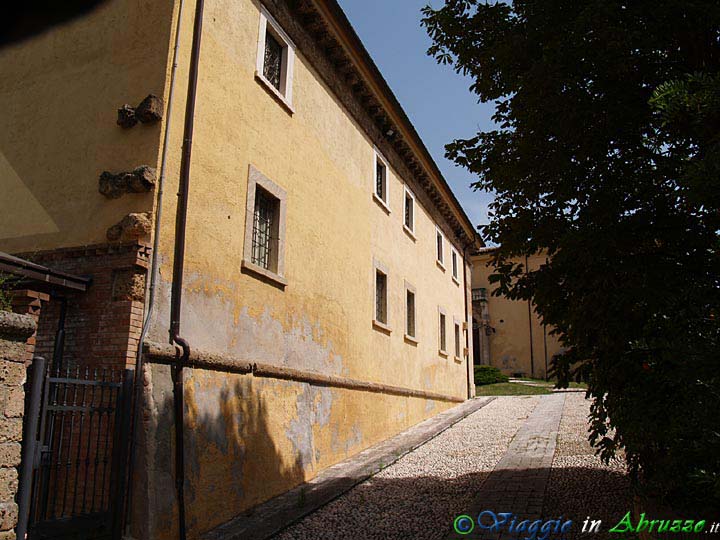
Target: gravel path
{"type": "Point", "coordinates": [419, 495]}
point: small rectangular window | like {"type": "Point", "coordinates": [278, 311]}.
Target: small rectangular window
{"type": "Point", "coordinates": [443, 334]}
{"type": "Point", "coordinates": [454, 265]}
{"type": "Point", "coordinates": [265, 216]}
{"type": "Point", "coordinates": [264, 236]}
{"type": "Point", "coordinates": [409, 214]}
{"type": "Point", "coordinates": [440, 247]}
{"type": "Point", "coordinates": [272, 65]}
{"type": "Point", "coordinates": [410, 313]}
{"type": "Point", "coordinates": [457, 340]}
{"type": "Point", "coordinates": [381, 181]}
{"type": "Point", "coordinates": [380, 297]}
{"type": "Point", "coordinates": [275, 59]}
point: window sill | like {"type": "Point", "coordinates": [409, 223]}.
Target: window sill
{"type": "Point", "coordinates": [409, 232]}
{"type": "Point", "coordinates": [382, 327]}
{"type": "Point", "coordinates": [442, 353]}
{"type": "Point", "coordinates": [274, 92]}
{"type": "Point", "coordinates": [264, 273]}
{"type": "Point", "coordinates": [441, 266]}
{"type": "Point", "coordinates": [410, 339]}
{"type": "Point", "coordinates": [382, 203]}
{"type": "Point", "coordinates": [458, 360]}
{"type": "Point", "coordinates": [456, 281]}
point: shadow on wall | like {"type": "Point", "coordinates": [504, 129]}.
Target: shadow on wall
{"type": "Point", "coordinates": [424, 507]}
{"type": "Point", "coordinates": [231, 460]}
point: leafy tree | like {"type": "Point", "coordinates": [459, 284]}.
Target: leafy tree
{"type": "Point", "coordinates": [606, 155]}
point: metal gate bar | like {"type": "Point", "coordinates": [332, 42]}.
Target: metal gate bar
{"type": "Point", "coordinates": [81, 467]}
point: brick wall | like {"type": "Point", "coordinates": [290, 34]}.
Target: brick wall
{"type": "Point", "coordinates": [16, 338]}
{"type": "Point", "coordinates": [103, 324]}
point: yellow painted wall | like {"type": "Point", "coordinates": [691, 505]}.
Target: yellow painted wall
{"type": "Point", "coordinates": [59, 93]}
{"type": "Point", "coordinates": [322, 320]}
{"type": "Point", "coordinates": [247, 439]}
{"type": "Point", "coordinates": [510, 343]}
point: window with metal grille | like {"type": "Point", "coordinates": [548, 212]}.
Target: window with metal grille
{"type": "Point", "coordinates": [380, 297]}
{"type": "Point", "coordinates": [381, 180]}
{"type": "Point", "coordinates": [409, 211]}
{"type": "Point", "coordinates": [443, 335]}
{"type": "Point", "coordinates": [264, 237]}
{"type": "Point", "coordinates": [273, 60]}
{"type": "Point", "coordinates": [410, 313]}
{"type": "Point", "coordinates": [457, 340]}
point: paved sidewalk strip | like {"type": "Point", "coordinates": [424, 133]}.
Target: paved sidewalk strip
{"type": "Point", "coordinates": [276, 514]}
{"type": "Point", "coordinates": [519, 480]}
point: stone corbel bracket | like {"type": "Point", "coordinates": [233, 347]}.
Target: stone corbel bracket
{"type": "Point", "coordinates": [132, 227]}
{"type": "Point", "coordinates": [140, 180]}
{"type": "Point", "coordinates": [150, 110]}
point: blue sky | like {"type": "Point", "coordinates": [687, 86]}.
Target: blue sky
{"type": "Point", "coordinates": [435, 98]}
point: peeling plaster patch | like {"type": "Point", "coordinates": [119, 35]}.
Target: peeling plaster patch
{"type": "Point", "coordinates": [346, 440]}
{"type": "Point", "coordinates": [215, 323]}
{"type": "Point", "coordinates": [313, 408]}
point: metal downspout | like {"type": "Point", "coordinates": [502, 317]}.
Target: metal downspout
{"type": "Point", "coordinates": [154, 266]}
{"type": "Point", "coordinates": [182, 346]}
{"type": "Point", "coordinates": [529, 303]}
{"type": "Point", "coordinates": [468, 323]}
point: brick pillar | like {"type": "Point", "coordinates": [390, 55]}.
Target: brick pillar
{"type": "Point", "coordinates": [27, 302]}
{"type": "Point", "coordinates": [16, 343]}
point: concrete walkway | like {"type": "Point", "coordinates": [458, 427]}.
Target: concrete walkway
{"type": "Point", "coordinates": [519, 480]}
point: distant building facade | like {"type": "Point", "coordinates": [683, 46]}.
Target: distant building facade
{"type": "Point", "coordinates": [326, 292]}
{"type": "Point", "coordinates": [508, 334]}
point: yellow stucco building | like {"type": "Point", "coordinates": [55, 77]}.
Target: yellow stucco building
{"type": "Point", "coordinates": [508, 334]}
{"type": "Point", "coordinates": [326, 280]}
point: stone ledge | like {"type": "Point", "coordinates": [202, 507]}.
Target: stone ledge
{"type": "Point", "coordinates": [271, 517]}
{"type": "Point", "coordinates": [165, 354]}
{"type": "Point", "coordinates": [16, 326]}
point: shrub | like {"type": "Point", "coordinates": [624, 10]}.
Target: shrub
{"type": "Point", "coordinates": [489, 375]}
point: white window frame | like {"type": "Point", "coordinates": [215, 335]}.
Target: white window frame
{"type": "Point", "coordinates": [442, 321]}
{"type": "Point", "coordinates": [455, 265]}
{"type": "Point", "coordinates": [411, 338]}
{"type": "Point", "coordinates": [285, 93]}
{"type": "Point", "coordinates": [383, 326]}
{"type": "Point", "coordinates": [384, 203]}
{"type": "Point", "coordinates": [440, 257]}
{"type": "Point", "coordinates": [409, 230]}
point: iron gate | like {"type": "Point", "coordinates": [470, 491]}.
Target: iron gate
{"type": "Point", "coordinates": [80, 463]}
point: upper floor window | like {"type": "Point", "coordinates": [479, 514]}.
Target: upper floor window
{"type": "Point", "coordinates": [381, 182]}
{"type": "Point", "coordinates": [409, 212]}
{"type": "Point", "coordinates": [275, 59]}
{"type": "Point", "coordinates": [263, 252]}
{"type": "Point", "coordinates": [455, 265]}
{"type": "Point", "coordinates": [440, 247]}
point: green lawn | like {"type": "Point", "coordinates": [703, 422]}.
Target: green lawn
{"type": "Point", "coordinates": [511, 389]}
{"type": "Point", "coordinates": [551, 383]}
